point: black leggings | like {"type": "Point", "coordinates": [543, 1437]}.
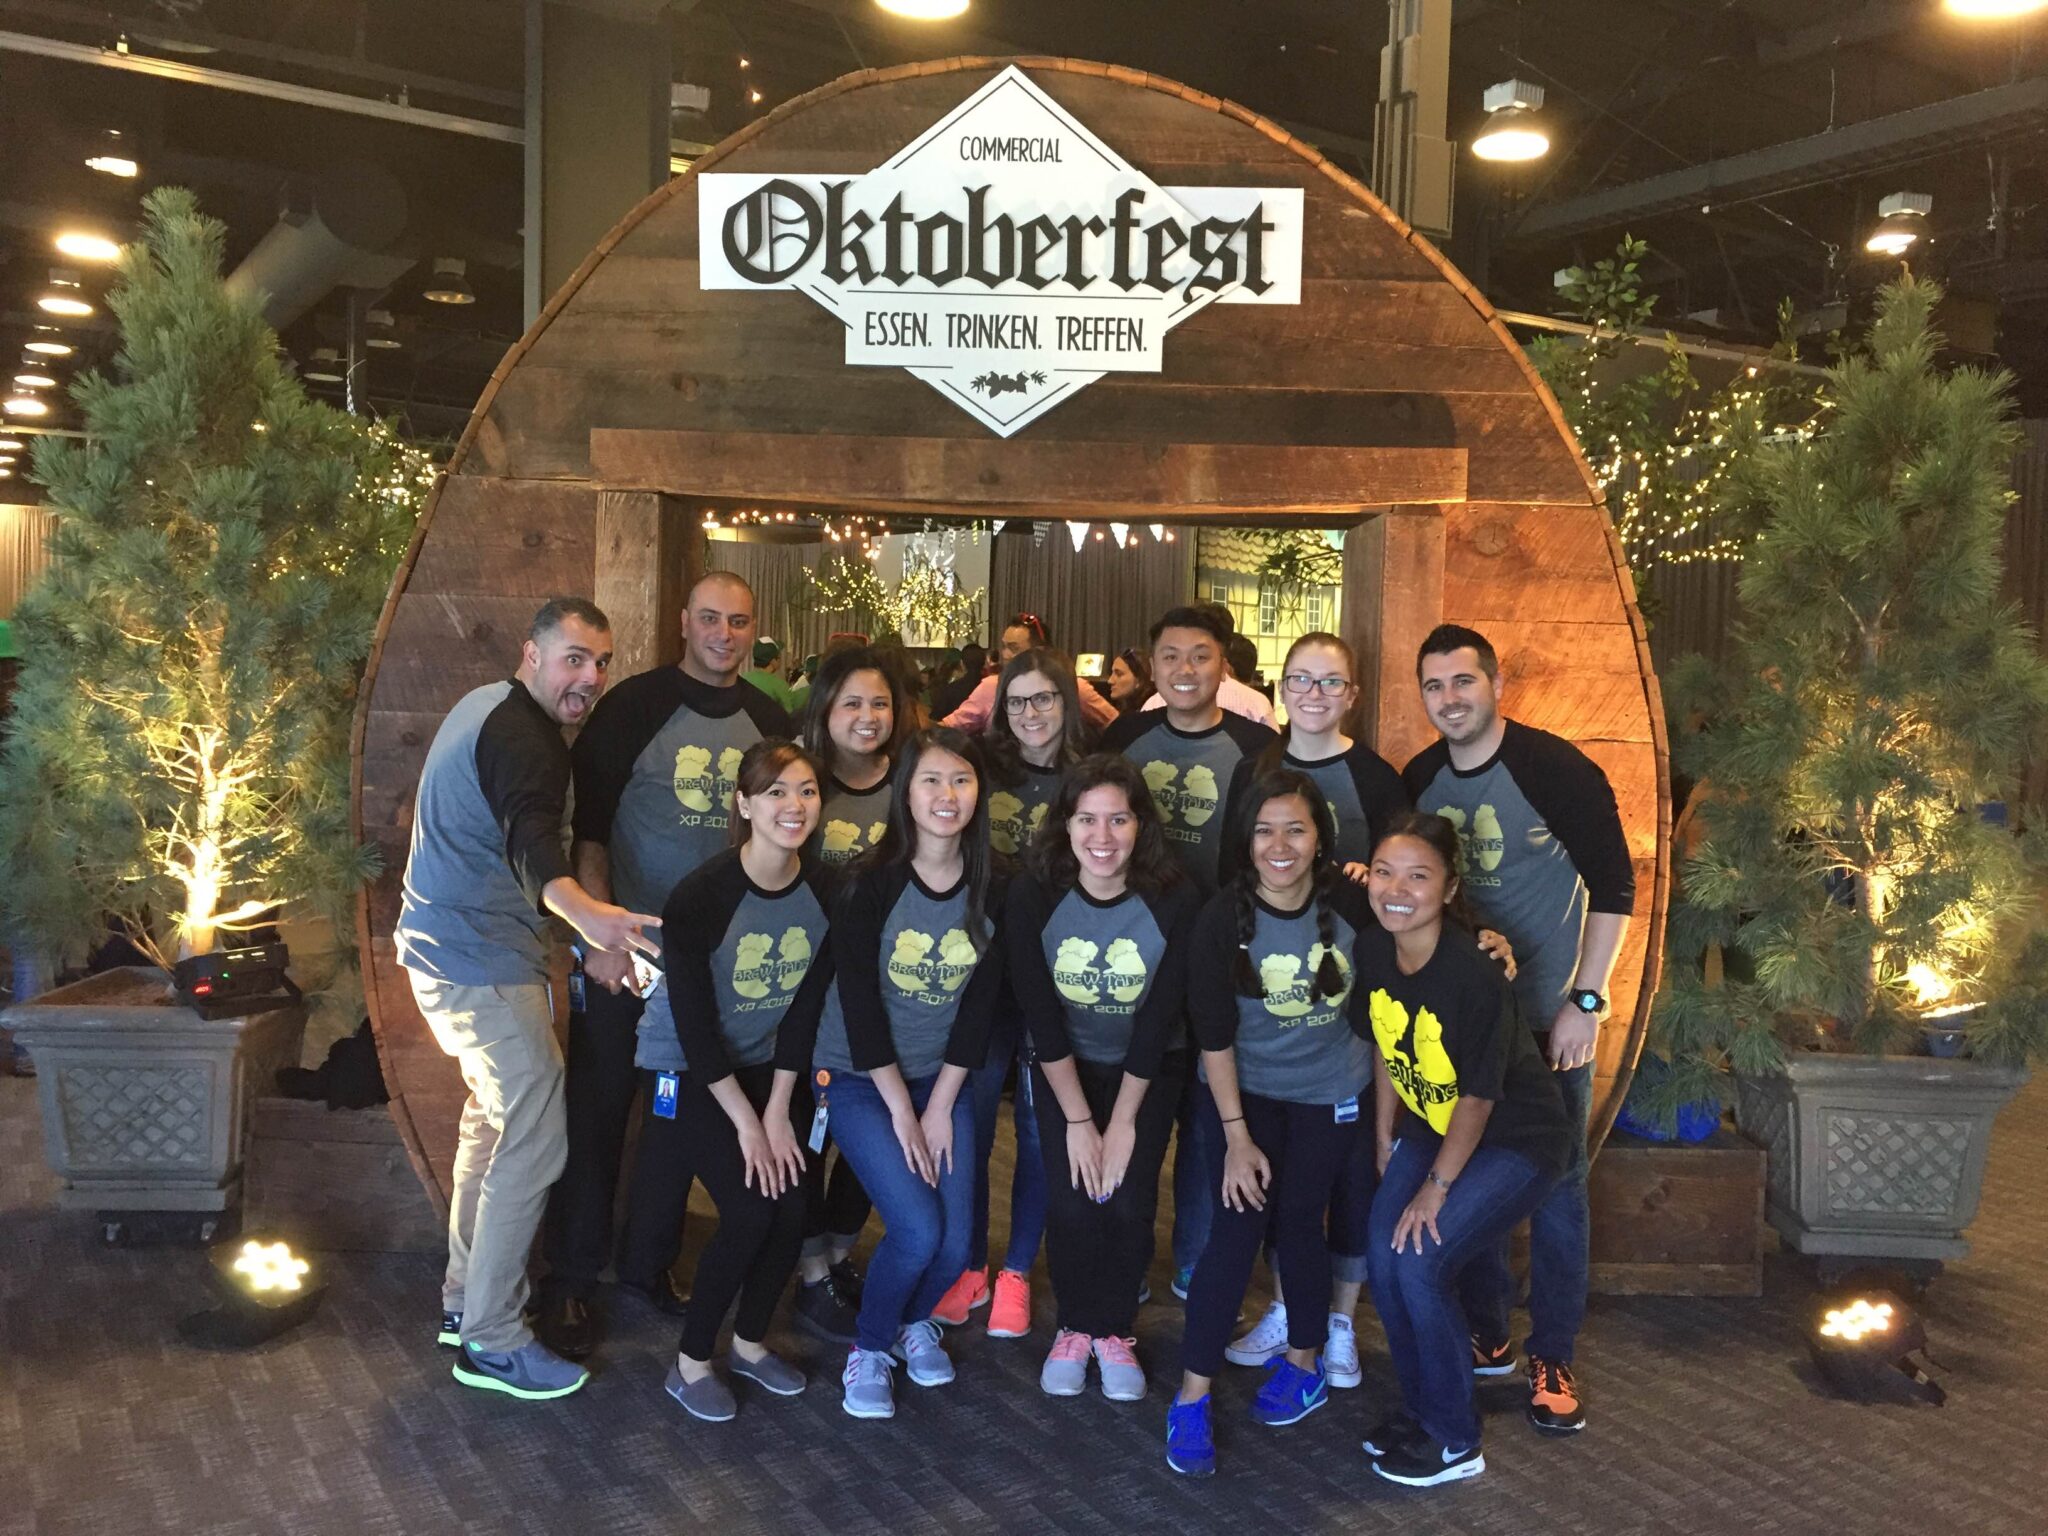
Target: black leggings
{"type": "Point", "coordinates": [754, 1250]}
{"type": "Point", "coordinates": [1098, 1253]}
{"type": "Point", "coordinates": [1308, 1149]}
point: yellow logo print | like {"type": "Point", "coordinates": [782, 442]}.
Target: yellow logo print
{"type": "Point", "coordinates": [1428, 1083]}
{"type": "Point", "coordinates": [795, 954]}
{"type": "Point", "coordinates": [1005, 817]}
{"type": "Point", "coordinates": [1074, 974]}
{"type": "Point", "coordinates": [1484, 844]}
{"type": "Point", "coordinates": [754, 973]}
{"type": "Point", "coordinates": [749, 969]}
{"type": "Point", "coordinates": [1124, 969]}
{"type": "Point", "coordinates": [1290, 993]}
{"type": "Point", "coordinates": [914, 969]}
{"type": "Point", "coordinates": [1192, 802]}
{"type": "Point", "coordinates": [697, 787]}
{"type": "Point", "coordinates": [840, 838]}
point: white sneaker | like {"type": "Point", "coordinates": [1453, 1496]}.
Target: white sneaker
{"type": "Point", "coordinates": [1340, 1353]}
{"type": "Point", "coordinates": [1266, 1341]}
{"type": "Point", "coordinates": [924, 1358]}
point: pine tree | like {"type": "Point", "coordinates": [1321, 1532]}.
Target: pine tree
{"type": "Point", "coordinates": [1879, 692]}
{"type": "Point", "coordinates": [178, 758]}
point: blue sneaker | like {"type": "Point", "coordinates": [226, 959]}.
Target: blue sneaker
{"type": "Point", "coordinates": [533, 1371]}
{"type": "Point", "coordinates": [1190, 1448]}
{"type": "Point", "coordinates": [1290, 1393]}
{"type": "Point", "coordinates": [1182, 1279]}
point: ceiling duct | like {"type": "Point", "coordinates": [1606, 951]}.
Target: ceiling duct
{"type": "Point", "coordinates": [335, 230]}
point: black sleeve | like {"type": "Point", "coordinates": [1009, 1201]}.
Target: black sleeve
{"type": "Point", "coordinates": [1572, 795]}
{"type": "Point", "coordinates": [1251, 737]}
{"type": "Point", "coordinates": [1348, 899]}
{"type": "Point", "coordinates": [769, 717]}
{"type": "Point", "coordinates": [797, 1034]}
{"type": "Point", "coordinates": [1480, 1038]}
{"type": "Point", "coordinates": [856, 943]}
{"type": "Point", "coordinates": [523, 770]}
{"type": "Point", "coordinates": [1025, 915]}
{"type": "Point", "coordinates": [1118, 735]}
{"type": "Point", "coordinates": [624, 721]}
{"type": "Point", "coordinates": [1422, 768]}
{"type": "Point", "coordinates": [1175, 910]}
{"type": "Point", "coordinates": [967, 1045]}
{"type": "Point", "coordinates": [1227, 853]}
{"type": "Point", "coordinates": [1380, 790]}
{"type": "Point", "coordinates": [1212, 974]}
{"type": "Point", "coordinates": [693, 924]}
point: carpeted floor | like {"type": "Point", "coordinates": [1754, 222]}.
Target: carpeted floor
{"type": "Point", "coordinates": [1706, 1418]}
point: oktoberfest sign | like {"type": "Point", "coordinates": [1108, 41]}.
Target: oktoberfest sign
{"type": "Point", "coordinates": [1006, 256]}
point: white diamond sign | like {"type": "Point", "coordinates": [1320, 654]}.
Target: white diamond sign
{"type": "Point", "coordinates": [1006, 255]}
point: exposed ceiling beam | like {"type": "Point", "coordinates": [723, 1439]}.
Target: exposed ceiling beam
{"type": "Point", "coordinates": [1875, 144]}
{"type": "Point", "coordinates": [1876, 20]}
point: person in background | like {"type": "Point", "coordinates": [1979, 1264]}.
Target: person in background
{"type": "Point", "coordinates": [1275, 999]}
{"type": "Point", "coordinates": [973, 667]}
{"type": "Point", "coordinates": [943, 671]}
{"type": "Point", "coordinates": [654, 777]}
{"type": "Point", "coordinates": [1130, 680]}
{"type": "Point", "coordinates": [1098, 942]}
{"type": "Point", "coordinates": [1243, 658]}
{"type": "Point", "coordinates": [1547, 863]}
{"type": "Point", "coordinates": [1024, 631]}
{"type": "Point", "coordinates": [484, 870]}
{"type": "Point", "coordinates": [1038, 733]}
{"type": "Point", "coordinates": [766, 674]}
{"type": "Point", "coordinates": [1470, 1134]}
{"type": "Point", "coordinates": [1188, 752]}
{"type": "Point", "coordinates": [1235, 697]}
{"type": "Point", "coordinates": [740, 941]}
{"type": "Point", "coordinates": [916, 971]}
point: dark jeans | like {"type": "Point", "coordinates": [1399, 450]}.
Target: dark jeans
{"type": "Point", "coordinates": [754, 1250]}
{"type": "Point", "coordinates": [1194, 1203]}
{"type": "Point", "coordinates": [1308, 1149]}
{"type": "Point", "coordinates": [835, 1207]}
{"type": "Point", "coordinates": [1097, 1252]}
{"type": "Point", "coordinates": [598, 1095]}
{"type": "Point", "coordinates": [1428, 1338]}
{"type": "Point", "coordinates": [1560, 1231]}
{"type": "Point", "coordinates": [1027, 1181]}
{"type": "Point", "coordinates": [924, 1230]}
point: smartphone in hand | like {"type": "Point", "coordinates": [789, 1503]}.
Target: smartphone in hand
{"type": "Point", "coordinates": [646, 975]}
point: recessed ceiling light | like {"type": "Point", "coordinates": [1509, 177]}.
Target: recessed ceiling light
{"type": "Point", "coordinates": [87, 247]}
{"type": "Point", "coordinates": [34, 381]}
{"type": "Point", "coordinates": [112, 156]}
{"type": "Point", "coordinates": [24, 405]}
{"type": "Point", "coordinates": [50, 348]}
{"type": "Point", "coordinates": [63, 304]}
{"type": "Point", "coordinates": [924, 10]}
{"type": "Point", "coordinates": [10, 444]}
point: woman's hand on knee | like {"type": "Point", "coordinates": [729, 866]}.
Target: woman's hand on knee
{"type": "Point", "coordinates": [910, 1137]}
{"type": "Point", "coordinates": [1084, 1157]}
{"type": "Point", "coordinates": [1246, 1174]}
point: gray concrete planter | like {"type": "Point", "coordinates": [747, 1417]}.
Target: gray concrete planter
{"type": "Point", "coordinates": [145, 1104]}
{"type": "Point", "coordinates": [1875, 1156]}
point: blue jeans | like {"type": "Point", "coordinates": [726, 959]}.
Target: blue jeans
{"type": "Point", "coordinates": [1560, 1232]}
{"type": "Point", "coordinates": [1429, 1342]}
{"type": "Point", "coordinates": [1027, 1183]}
{"type": "Point", "coordinates": [1194, 1197]}
{"type": "Point", "coordinates": [924, 1230]}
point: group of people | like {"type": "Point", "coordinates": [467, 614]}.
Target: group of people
{"type": "Point", "coordinates": [816, 953]}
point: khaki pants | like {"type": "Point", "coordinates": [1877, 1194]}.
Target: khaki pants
{"type": "Point", "coordinates": [514, 1140]}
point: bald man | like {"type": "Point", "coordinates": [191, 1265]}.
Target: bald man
{"type": "Point", "coordinates": [654, 775]}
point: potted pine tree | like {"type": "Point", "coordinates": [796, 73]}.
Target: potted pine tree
{"type": "Point", "coordinates": [176, 766]}
{"type": "Point", "coordinates": [1880, 695]}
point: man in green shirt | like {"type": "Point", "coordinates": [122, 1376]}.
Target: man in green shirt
{"type": "Point", "coordinates": [766, 675]}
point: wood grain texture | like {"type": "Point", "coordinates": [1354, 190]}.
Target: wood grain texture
{"type": "Point", "coordinates": [1349, 402]}
{"type": "Point", "coordinates": [1678, 1220]}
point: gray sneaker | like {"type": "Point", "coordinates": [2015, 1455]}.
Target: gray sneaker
{"type": "Point", "coordinates": [532, 1371]}
{"type": "Point", "coordinates": [706, 1398]}
{"type": "Point", "coordinates": [918, 1347]}
{"type": "Point", "coordinates": [868, 1395]}
{"type": "Point", "coordinates": [770, 1371]}
{"type": "Point", "coordinates": [1066, 1367]}
{"type": "Point", "coordinates": [1123, 1379]}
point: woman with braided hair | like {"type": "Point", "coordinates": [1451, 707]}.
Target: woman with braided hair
{"type": "Point", "coordinates": [1285, 1054]}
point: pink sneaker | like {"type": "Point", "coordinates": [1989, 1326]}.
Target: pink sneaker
{"type": "Point", "coordinates": [1010, 1317]}
{"type": "Point", "coordinates": [1066, 1368]}
{"type": "Point", "coordinates": [1123, 1379]}
{"type": "Point", "coordinates": [966, 1293]}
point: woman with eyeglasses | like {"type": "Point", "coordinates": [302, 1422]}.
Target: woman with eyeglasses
{"type": "Point", "coordinates": [1130, 680]}
{"type": "Point", "coordinates": [1023, 632]}
{"type": "Point", "coordinates": [1039, 731]}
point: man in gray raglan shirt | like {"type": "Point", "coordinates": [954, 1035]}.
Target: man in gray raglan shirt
{"type": "Point", "coordinates": [487, 865]}
{"type": "Point", "coordinates": [1547, 864]}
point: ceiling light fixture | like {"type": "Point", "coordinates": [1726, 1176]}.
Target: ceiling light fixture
{"type": "Point", "coordinates": [80, 246]}
{"type": "Point", "coordinates": [113, 156]}
{"type": "Point", "coordinates": [1904, 216]}
{"type": "Point", "coordinates": [324, 368]}
{"type": "Point", "coordinates": [449, 286]}
{"type": "Point", "coordinates": [10, 445]}
{"type": "Point", "coordinates": [50, 348]}
{"type": "Point", "coordinates": [34, 381]}
{"type": "Point", "coordinates": [1513, 131]}
{"type": "Point", "coordinates": [1992, 10]}
{"type": "Point", "coordinates": [24, 405]}
{"type": "Point", "coordinates": [64, 297]}
{"type": "Point", "coordinates": [381, 331]}
{"type": "Point", "coordinates": [924, 10]}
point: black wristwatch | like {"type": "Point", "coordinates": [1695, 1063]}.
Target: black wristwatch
{"type": "Point", "coordinates": [1587, 1001]}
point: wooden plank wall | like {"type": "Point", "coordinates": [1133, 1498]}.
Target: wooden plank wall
{"type": "Point", "coordinates": [1390, 382]}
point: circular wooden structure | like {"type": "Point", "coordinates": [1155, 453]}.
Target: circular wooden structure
{"type": "Point", "coordinates": [1390, 399]}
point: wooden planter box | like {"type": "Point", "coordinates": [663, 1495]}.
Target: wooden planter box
{"type": "Point", "coordinates": [337, 1180]}
{"type": "Point", "coordinates": [144, 1102]}
{"type": "Point", "coordinates": [1877, 1157]}
{"type": "Point", "coordinates": [1678, 1220]}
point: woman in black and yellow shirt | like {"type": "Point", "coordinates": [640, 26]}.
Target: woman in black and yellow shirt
{"type": "Point", "coordinates": [1471, 1135]}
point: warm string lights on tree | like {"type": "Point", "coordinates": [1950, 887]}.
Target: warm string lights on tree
{"type": "Point", "coordinates": [927, 601]}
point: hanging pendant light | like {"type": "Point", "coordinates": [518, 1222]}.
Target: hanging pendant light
{"type": "Point", "coordinates": [449, 286]}
{"type": "Point", "coordinates": [1514, 131]}
{"type": "Point", "coordinates": [1904, 220]}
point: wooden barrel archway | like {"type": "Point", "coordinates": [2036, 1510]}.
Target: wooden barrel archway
{"type": "Point", "coordinates": [1390, 397]}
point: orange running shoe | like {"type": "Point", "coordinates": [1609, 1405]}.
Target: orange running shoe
{"type": "Point", "coordinates": [1554, 1406]}
{"type": "Point", "coordinates": [967, 1293]}
{"type": "Point", "coordinates": [1010, 1317]}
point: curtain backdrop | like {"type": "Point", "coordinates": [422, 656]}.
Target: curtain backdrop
{"type": "Point", "coordinates": [1097, 598]}
{"type": "Point", "coordinates": [24, 551]}
{"type": "Point", "coordinates": [782, 606]}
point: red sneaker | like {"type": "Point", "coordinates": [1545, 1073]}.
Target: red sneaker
{"type": "Point", "coordinates": [1010, 1317]}
{"type": "Point", "coordinates": [967, 1293]}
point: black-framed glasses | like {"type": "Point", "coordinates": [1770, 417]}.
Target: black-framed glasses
{"type": "Point", "coordinates": [1301, 682]}
{"type": "Point", "coordinates": [1037, 703]}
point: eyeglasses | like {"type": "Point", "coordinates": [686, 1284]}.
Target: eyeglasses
{"type": "Point", "coordinates": [1037, 703]}
{"type": "Point", "coordinates": [1301, 682]}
